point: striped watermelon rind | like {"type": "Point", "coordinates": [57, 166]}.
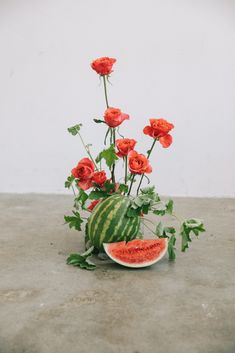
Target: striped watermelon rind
{"type": "Point", "coordinates": [109, 223]}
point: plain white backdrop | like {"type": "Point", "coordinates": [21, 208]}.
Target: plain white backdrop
{"type": "Point", "coordinates": [175, 59]}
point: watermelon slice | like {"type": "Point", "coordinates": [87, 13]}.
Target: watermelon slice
{"type": "Point", "coordinates": [138, 252]}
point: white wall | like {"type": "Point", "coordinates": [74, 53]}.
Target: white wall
{"type": "Point", "coordinates": [176, 59]}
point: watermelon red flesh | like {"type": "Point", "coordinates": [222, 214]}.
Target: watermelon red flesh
{"type": "Point", "coordinates": [138, 252]}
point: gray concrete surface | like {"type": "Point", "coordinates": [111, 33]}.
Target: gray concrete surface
{"type": "Point", "coordinates": [49, 307]}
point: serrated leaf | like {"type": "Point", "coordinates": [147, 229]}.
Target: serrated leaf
{"type": "Point", "coordinates": [97, 194]}
{"type": "Point", "coordinates": [192, 225]}
{"type": "Point", "coordinates": [169, 207]}
{"type": "Point", "coordinates": [109, 155]}
{"type": "Point", "coordinates": [171, 247]}
{"type": "Point", "coordinates": [80, 199]}
{"type": "Point", "coordinates": [74, 221]}
{"type": "Point", "coordinates": [131, 212]}
{"type": "Point", "coordinates": [99, 121]}
{"type": "Point", "coordinates": [74, 129]}
{"type": "Point", "coordinates": [138, 201]}
{"type": "Point", "coordinates": [123, 188]}
{"type": "Point", "coordinates": [149, 190]}
{"type": "Point", "coordinates": [170, 230]}
{"type": "Point", "coordinates": [185, 240]}
{"type": "Point", "coordinates": [82, 260]}
{"type": "Point", "coordinates": [109, 186]}
{"type": "Point", "coordinates": [145, 209]}
{"type": "Point", "coordinates": [69, 181]}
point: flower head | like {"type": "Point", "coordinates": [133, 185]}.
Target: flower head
{"type": "Point", "coordinates": [138, 163]}
{"type": "Point", "coordinates": [84, 172]}
{"type": "Point", "coordinates": [103, 66]}
{"type": "Point", "coordinates": [124, 146]}
{"type": "Point", "coordinates": [99, 178]}
{"type": "Point", "coordinates": [114, 117]}
{"type": "Point", "coordinates": [158, 128]}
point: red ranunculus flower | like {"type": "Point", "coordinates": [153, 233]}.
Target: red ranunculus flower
{"type": "Point", "coordinates": [158, 128]}
{"type": "Point", "coordinates": [99, 178]}
{"type": "Point", "coordinates": [84, 172]}
{"type": "Point", "coordinates": [103, 66]}
{"type": "Point", "coordinates": [114, 117]}
{"type": "Point", "coordinates": [138, 163]}
{"type": "Point", "coordinates": [124, 146]}
{"type": "Point", "coordinates": [93, 204]}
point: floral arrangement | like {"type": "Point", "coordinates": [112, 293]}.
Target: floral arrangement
{"type": "Point", "coordinates": [93, 180]}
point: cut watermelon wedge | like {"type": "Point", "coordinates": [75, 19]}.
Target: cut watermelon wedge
{"type": "Point", "coordinates": [138, 252]}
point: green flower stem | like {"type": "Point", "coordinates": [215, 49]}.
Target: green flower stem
{"type": "Point", "coordinates": [73, 190]}
{"type": "Point", "coordinates": [147, 227]}
{"type": "Point", "coordinates": [113, 166]}
{"type": "Point", "coordinates": [87, 150]}
{"type": "Point", "coordinates": [105, 91]}
{"type": "Point", "coordinates": [177, 217]}
{"type": "Point", "coordinates": [132, 180]}
{"type": "Point", "coordinates": [148, 155]}
{"type": "Point", "coordinates": [125, 161]}
{"type": "Point", "coordinates": [112, 135]}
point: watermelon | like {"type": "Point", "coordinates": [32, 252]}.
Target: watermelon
{"type": "Point", "coordinates": [138, 252]}
{"type": "Point", "coordinates": [109, 223]}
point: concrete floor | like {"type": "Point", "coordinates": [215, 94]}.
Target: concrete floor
{"type": "Point", "coordinates": [49, 307]}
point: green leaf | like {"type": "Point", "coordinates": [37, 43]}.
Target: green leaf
{"type": "Point", "coordinates": [80, 199]}
{"type": "Point", "coordinates": [109, 155]}
{"type": "Point", "coordinates": [74, 221]}
{"type": "Point", "coordinates": [194, 223]}
{"type": "Point", "coordinates": [109, 186]}
{"type": "Point", "coordinates": [69, 181]}
{"type": "Point", "coordinates": [145, 209]}
{"type": "Point", "coordinates": [74, 129]}
{"type": "Point", "coordinates": [97, 194]}
{"type": "Point", "coordinates": [82, 260]}
{"type": "Point", "coordinates": [171, 247]}
{"type": "Point", "coordinates": [169, 206]}
{"type": "Point", "coordinates": [164, 232]}
{"type": "Point", "coordinates": [189, 226]}
{"type": "Point", "coordinates": [138, 201]}
{"type": "Point", "coordinates": [159, 209]}
{"type": "Point", "coordinates": [169, 230]}
{"type": "Point", "coordinates": [185, 240]}
{"type": "Point", "coordinates": [98, 121]}
{"type": "Point", "coordinates": [123, 188]}
{"type": "Point", "coordinates": [149, 190]}
{"type": "Point", "coordinates": [131, 212]}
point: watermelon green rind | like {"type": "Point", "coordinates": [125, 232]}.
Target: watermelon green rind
{"type": "Point", "coordinates": [136, 265]}
{"type": "Point", "coordinates": [98, 211]}
{"type": "Point", "coordinates": [109, 222]}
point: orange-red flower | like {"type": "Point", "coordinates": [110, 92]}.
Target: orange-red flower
{"type": "Point", "coordinates": [114, 117]}
{"type": "Point", "coordinates": [103, 66]}
{"type": "Point", "coordinates": [99, 178]}
{"type": "Point", "coordinates": [124, 146]}
{"type": "Point", "coordinates": [158, 128]}
{"type": "Point", "coordinates": [84, 172]}
{"type": "Point", "coordinates": [93, 204]}
{"type": "Point", "coordinates": [138, 163]}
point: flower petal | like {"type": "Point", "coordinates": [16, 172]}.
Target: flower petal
{"type": "Point", "coordinates": [166, 140]}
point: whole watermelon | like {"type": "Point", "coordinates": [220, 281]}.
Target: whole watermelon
{"type": "Point", "coordinates": [109, 223]}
